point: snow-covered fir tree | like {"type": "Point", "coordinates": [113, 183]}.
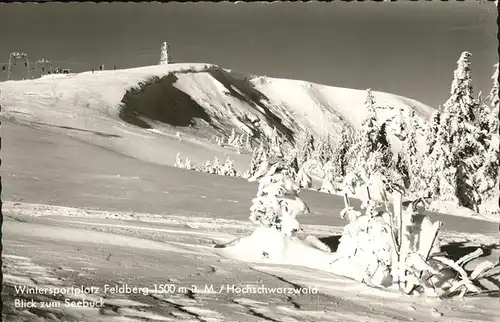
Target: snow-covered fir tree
{"type": "Point", "coordinates": [453, 158]}
{"type": "Point", "coordinates": [291, 162]}
{"type": "Point", "coordinates": [207, 167]}
{"type": "Point", "coordinates": [370, 101]}
{"type": "Point", "coordinates": [219, 141]}
{"type": "Point", "coordinates": [241, 141]}
{"type": "Point", "coordinates": [328, 184]}
{"type": "Point", "coordinates": [441, 165]}
{"type": "Point", "coordinates": [165, 54]}
{"type": "Point", "coordinates": [216, 166]}
{"type": "Point", "coordinates": [276, 144]}
{"type": "Point", "coordinates": [178, 161]}
{"type": "Point", "coordinates": [305, 146]}
{"type": "Point", "coordinates": [339, 158]}
{"type": "Point", "coordinates": [482, 116]}
{"type": "Point", "coordinates": [432, 131]}
{"type": "Point", "coordinates": [462, 102]}
{"type": "Point", "coordinates": [232, 138]}
{"type": "Point", "coordinates": [370, 154]}
{"type": "Point", "coordinates": [323, 149]}
{"type": "Point", "coordinates": [304, 179]}
{"type": "Point", "coordinates": [248, 142]}
{"type": "Point", "coordinates": [259, 155]}
{"type": "Point", "coordinates": [187, 164]}
{"type": "Point", "coordinates": [228, 168]}
{"type": "Point", "coordinates": [452, 162]}
{"type": "Point", "coordinates": [277, 203]}
{"type": "Point", "coordinates": [411, 158]}
{"type": "Point", "coordinates": [488, 175]}
{"type": "Point", "coordinates": [494, 100]}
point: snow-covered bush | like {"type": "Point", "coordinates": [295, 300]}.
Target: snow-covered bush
{"type": "Point", "coordinates": [399, 248]}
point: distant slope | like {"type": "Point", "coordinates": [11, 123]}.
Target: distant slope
{"type": "Point", "coordinates": [140, 111]}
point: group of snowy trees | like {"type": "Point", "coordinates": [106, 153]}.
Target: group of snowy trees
{"type": "Point", "coordinates": [214, 167]}
{"type": "Point", "coordinates": [461, 163]}
{"type": "Point", "coordinates": [239, 141]}
{"type": "Point", "coordinates": [269, 151]}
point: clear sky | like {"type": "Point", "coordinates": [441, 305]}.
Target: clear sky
{"type": "Point", "coordinates": [405, 48]}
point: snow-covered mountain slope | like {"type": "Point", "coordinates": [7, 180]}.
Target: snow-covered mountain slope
{"type": "Point", "coordinates": [141, 112]}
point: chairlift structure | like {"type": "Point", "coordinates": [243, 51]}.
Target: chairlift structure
{"type": "Point", "coordinates": [45, 65]}
{"type": "Point", "coordinates": [14, 57]}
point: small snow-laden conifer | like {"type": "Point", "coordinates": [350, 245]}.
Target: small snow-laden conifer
{"type": "Point", "coordinates": [277, 203]}
{"type": "Point", "coordinates": [462, 139]}
{"type": "Point", "coordinates": [247, 143]}
{"type": "Point", "coordinates": [482, 116]}
{"type": "Point", "coordinates": [259, 156]}
{"type": "Point", "coordinates": [462, 102]}
{"type": "Point", "coordinates": [323, 149]}
{"type": "Point", "coordinates": [488, 176]}
{"type": "Point", "coordinates": [371, 155]}
{"type": "Point", "coordinates": [165, 54]}
{"type": "Point", "coordinates": [398, 126]}
{"type": "Point", "coordinates": [493, 96]}
{"type": "Point", "coordinates": [370, 103]}
{"type": "Point", "coordinates": [367, 154]}
{"type": "Point", "coordinates": [412, 159]}
{"type": "Point", "coordinates": [207, 167]}
{"type": "Point", "coordinates": [292, 165]}
{"type": "Point", "coordinates": [216, 166]}
{"type": "Point", "coordinates": [178, 161]}
{"type": "Point", "coordinates": [441, 165]}
{"type": "Point", "coordinates": [232, 137]}
{"type": "Point", "coordinates": [187, 164]}
{"type": "Point", "coordinates": [339, 156]}
{"type": "Point", "coordinates": [276, 145]}
{"type": "Point", "coordinates": [331, 173]}
{"type": "Point", "coordinates": [305, 146]}
{"type": "Point", "coordinates": [304, 179]}
{"type": "Point", "coordinates": [241, 141]}
{"type": "Point", "coordinates": [494, 100]}
{"type": "Point", "coordinates": [228, 168]}
{"type": "Point", "coordinates": [432, 131]}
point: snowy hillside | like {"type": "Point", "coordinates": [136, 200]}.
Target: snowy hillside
{"type": "Point", "coordinates": [153, 112]}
